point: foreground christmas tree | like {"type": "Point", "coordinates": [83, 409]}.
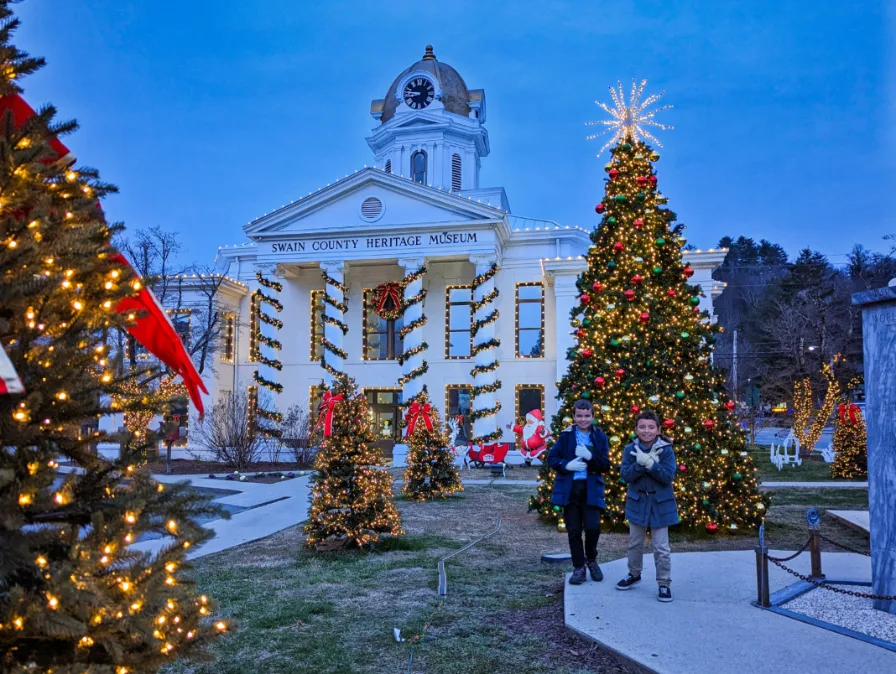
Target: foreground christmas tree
{"type": "Point", "coordinates": [74, 597]}
{"type": "Point", "coordinates": [643, 343]}
{"type": "Point", "coordinates": [431, 472]}
{"type": "Point", "coordinates": [850, 442]}
{"type": "Point", "coordinates": [351, 499]}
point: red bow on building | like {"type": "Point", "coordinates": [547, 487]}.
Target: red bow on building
{"type": "Point", "coordinates": [843, 411]}
{"type": "Point", "coordinates": [415, 411]}
{"type": "Point", "coordinates": [152, 328]}
{"type": "Point", "coordinates": [326, 412]}
{"type": "Point", "coordinates": [387, 291]}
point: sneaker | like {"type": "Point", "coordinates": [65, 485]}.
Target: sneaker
{"type": "Point", "coordinates": [594, 569]}
{"type": "Point", "coordinates": [628, 582]}
{"type": "Point", "coordinates": [578, 576]}
{"type": "Point", "coordinates": [664, 594]}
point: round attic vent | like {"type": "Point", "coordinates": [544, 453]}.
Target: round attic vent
{"type": "Point", "coordinates": [371, 209]}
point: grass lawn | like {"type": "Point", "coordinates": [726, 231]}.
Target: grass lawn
{"type": "Point", "coordinates": [520, 472]}
{"type": "Point", "coordinates": [298, 611]}
{"type": "Point", "coordinates": [813, 469]}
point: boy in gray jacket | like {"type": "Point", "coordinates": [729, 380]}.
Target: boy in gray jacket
{"type": "Point", "coordinates": [648, 467]}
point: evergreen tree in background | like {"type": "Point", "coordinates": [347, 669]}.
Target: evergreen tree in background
{"type": "Point", "coordinates": [74, 597]}
{"type": "Point", "coordinates": [850, 442]}
{"type": "Point", "coordinates": [643, 343]}
{"type": "Point", "coordinates": [430, 472]}
{"type": "Point", "coordinates": [352, 502]}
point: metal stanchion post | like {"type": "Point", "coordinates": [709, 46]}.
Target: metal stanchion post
{"type": "Point", "coordinates": [762, 593]}
{"type": "Point", "coordinates": [815, 552]}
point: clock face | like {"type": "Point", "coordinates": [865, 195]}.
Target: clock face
{"type": "Point", "coordinates": [419, 93]}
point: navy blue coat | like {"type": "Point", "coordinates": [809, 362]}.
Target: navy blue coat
{"type": "Point", "coordinates": [564, 451]}
{"type": "Point", "coordinates": [650, 501]}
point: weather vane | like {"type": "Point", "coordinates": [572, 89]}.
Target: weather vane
{"type": "Point", "coordinates": [629, 120]}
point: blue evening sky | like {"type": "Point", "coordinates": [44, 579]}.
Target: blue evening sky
{"type": "Point", "coordinates": [208, 114]}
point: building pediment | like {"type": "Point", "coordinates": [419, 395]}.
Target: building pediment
{"type": "Point", "coordinates": [372, 200]}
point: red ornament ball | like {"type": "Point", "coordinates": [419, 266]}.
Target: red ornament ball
{"type": "Point", "coordinates": [652, 180]}
{"type": "Point", "coordinates": [580, 333]}
{"type": "Point", "coordinates": [587, 353]}
{"type": "Point", "coordinates": [712, 527]}
{"type": "Point", "coordinates": [597, 287]}
{"type": "Point", "coordinates": [637, 278]}
{"type": "Point", "coordinates": [635, 409]}
{"type": "Point", "coordinates": [620, 373]}
{"type": "Point", "coordinates": [639, 223]}
{"type": "Point", "coordinates": [709, 423]}
{"type": "Point", "coordinates": [618, 246]}
{"type": "Point", "coordinates": [629, 295]}
{"type": "Point", "coordinates": [613, 173]}
{"type": "Point", "coordinates": [600, 381]}
{"type": "Point", "coordinates": [668, 423]}
{"type": "Point", "coordinates": [644, 318]}
{"type": "Point", "coordinates": [688, 272]}
{"type": "Point", "coordinates": [671, 292]}
{"type": "Point", "coordinates": [599, 208]}
{"type": "Point", "coordinates": [729, 405]}
{"type": "Point", "coordinates": [642, 180]}
{"type": "Point", "coordinates": [683, 468]}
{"type": "Point", "coordinates": [585, 298]}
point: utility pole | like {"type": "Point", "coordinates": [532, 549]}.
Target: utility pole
{"type": "Point", "coordinates": [734, 366]}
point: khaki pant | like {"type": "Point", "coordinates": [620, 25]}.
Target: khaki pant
{"type": "Point", "coordinates": [662, 554]}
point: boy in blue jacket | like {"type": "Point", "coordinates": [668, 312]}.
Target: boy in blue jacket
{"type": "Point", "coordinates": [580, 457]}
{"type": "Point", "coordinates": [648, 466]}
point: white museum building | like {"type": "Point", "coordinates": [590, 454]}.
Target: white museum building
{"type": "Point", "coordinates": [419, 207]}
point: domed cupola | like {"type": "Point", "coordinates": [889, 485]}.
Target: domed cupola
{"type": "Point", "coordinates": [431, 126]}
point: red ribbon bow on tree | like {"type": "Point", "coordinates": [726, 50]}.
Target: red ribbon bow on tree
{"type": "Point", "coordinates": [393, 291]}
{"type": "Point", "coordinates": [326, 412]}
{"type": "Point", "coordinates": [415, 411]}
{"type": "Point", "coordinates": [843, 411]}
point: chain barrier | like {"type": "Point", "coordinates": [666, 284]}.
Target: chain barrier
{"type": "Point", "coordinates": [842, 546]}
{"type": "Point", "coordinates": [793, 556]}
{"type": "Point", "coordinates": [831, 588]}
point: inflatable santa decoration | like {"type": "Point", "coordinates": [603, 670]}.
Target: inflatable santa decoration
{"type": "Point", "coordinates": [534, 436]}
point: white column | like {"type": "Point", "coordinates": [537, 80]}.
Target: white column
{"type": "Point", "coordinates": [485, 425]}
{"type": "Point", "coordinates": [566, 295]}
{"type": "Point", "coordinates": [336, 270]}
{"type": "Point", "coordinates": [412, 340]}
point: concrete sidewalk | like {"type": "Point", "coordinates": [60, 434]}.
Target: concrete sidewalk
{"type": "Point", "coordinates": [857, 519]}
{"type": "Point", "coordinates": [711, 627]}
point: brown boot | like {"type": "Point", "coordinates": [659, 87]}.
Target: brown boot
{"type": "Point", "coordinates": [578, 576]}
{"type": "Point", "coordinates": [594, 570]}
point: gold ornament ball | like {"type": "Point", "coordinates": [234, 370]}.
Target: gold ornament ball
{"type": "Point", "coordinates": [567, 421]}
{"type": "Point", "coordinates": [561, 527]}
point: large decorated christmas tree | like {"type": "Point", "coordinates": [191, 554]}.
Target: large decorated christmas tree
{"type": "Point", "coordinates": [644, 343]}
{"type": "Point", "coordinates": [352, 503]}
{"type": "Point", "coordinates": [850, 442]}
{"type": "Point", "coordinates": [430, 472]}
{"type": "Point", "coordinates": [74, 595]}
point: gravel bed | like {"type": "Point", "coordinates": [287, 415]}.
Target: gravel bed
{"type": "Point", "coordinates": [854, 613]}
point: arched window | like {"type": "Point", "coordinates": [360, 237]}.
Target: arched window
{"type": "Point", "coordinates": [456, 182]}
{"type": "Point", "coordinates": [388, 166]}
{"type": "Point", "coordinates": [418, 167]}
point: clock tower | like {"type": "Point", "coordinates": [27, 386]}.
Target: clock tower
{"type": "Point", "coordinates": [431, 127]}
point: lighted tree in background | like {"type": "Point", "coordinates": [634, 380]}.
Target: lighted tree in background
{"type": "Point", "coordinates": [850, 442]}
{"type": "Point", "coordinates": [430, 472]}
{"type": "Point", "coordinates": [642, 342]}
{"type": "Point", "coordinates": [74, 597]}
{"type": "Point", "coordinates": [351, 499]}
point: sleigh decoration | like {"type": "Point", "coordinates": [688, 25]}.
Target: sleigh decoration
{"type": "Point", "coordinates": [488, 455]}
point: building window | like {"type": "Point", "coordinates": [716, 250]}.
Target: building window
{"type": "Point", "coordinates": [529, 320]}
{"type": "Point", "coordinates": [254, 307]}
{"type": "Point", "coordinates": [228, 343]}
{"type": "Point", "coordinates": [180, 318]}
{"type": "Point", "coordinates": [317, 324]}
{"type": "Point", "coordinates": [388, 166]}
{"type": "Point", "coordinates": [456, 182]}
{"type": "Point", "coordinates": [458, 403]}
{"type": "Point", "coordinates": [251, 408]}
{"type": "Point", "coordinates": [418, 167]}
{"type": "Point", "coordinates": [529, 397]}
{"type": "Point", "coordinates": [458, 321]}
{"type": "Point", "coordinates": [382, 340]}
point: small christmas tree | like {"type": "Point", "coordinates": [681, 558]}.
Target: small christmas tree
{"type": "Point", "coordinates": [643, 342]}
{"type": "Point", "coordinates": [74, 596]}
{"type": "Point", "coordinates": [431, 472]}
{"type": "Point", "coordinates": [850, 442]}
{"type": "Point", "coordinates": [351, 499]}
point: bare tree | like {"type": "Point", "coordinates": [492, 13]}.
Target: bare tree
{"type": "Point", "coordinates": [295, 434]}
{"type": "Point", "coordinates": [226, 433]}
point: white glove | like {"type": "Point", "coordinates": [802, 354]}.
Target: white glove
{"type": "Point", "coordinates": [576, 465]}
{"type": "Point", "coordinates": [583, 453]}
{"type": "Point", "coordinates": [640, 457]}
{"type": "Point", "coordinates": [650, 461]}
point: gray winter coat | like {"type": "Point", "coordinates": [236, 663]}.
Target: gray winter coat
{"type": "Point", "coordinates": [650, 501]}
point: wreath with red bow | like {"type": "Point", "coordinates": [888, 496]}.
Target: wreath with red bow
{"type": "Point", "coordinates": [388, 300]}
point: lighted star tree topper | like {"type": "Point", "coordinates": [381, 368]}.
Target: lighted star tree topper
{"type": "Point", "coordinates": [629, 120]}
